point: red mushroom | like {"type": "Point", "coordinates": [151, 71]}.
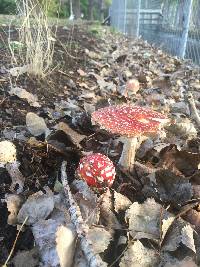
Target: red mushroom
{"type": "Point", "coordinates": [97, 170]}
{"type": "Point", "coordinates": [132, 123]}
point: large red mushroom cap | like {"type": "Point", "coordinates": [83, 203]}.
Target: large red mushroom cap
{"type": "Point", "coordinates": [97, 170]}
{"type": "Point", "coordinates": [127, 120]}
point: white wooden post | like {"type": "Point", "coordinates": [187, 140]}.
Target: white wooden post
{"type": "Point", "coordinates": [138, 19]}
{"type": "Point", "coordinates": [186, 25]}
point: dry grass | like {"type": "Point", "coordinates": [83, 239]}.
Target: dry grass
{"type": "Point", "coordinates": [36, 37]}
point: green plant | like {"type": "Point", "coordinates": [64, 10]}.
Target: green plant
{"type": "Point", "coordinates": [7, 7]}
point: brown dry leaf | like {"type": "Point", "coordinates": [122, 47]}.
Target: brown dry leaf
{"type": "Point", "coordinates": [130, 88]}
{"type": "Point", "coordinates": [173, 159]}
{"type": "Point", "coordinates": [180, 233]}
{"type": "Point", "coordinates": [87, 95]}
{"type": "Point", "coordinates": [89, 209]}
{"type": "Point", "coordinates": [16, 71]}
{"type": "Point", "coordinates": [28, 258]}
{"type": "Point", "coordinates": [17, 177]}
{"type": "Point", "coordinates": [87, 201]}
{"type": "Point", "coordinates": [79, 258]}
{"type": "Point", "coordinates": [173, 189]}
{"type": "Point", "coordinates": [178, 108]}
{"type": "Point", "coordinates": [56, 242]}
{"type": "Point", "coordinates": [121, 202]}
{"type": "Point", "coordinates": [14, 203]}
{"type": "Point", "coordinates": [170, 261]}
{"type": "Point", "coordinates": [35, 124]}
{"type": "Point", "coordinates": [92, 54]}
{"type": "Point", "coordinates": [65, 245]}
{"type": "Point", "coordinates": [183, 127]}
{"type": "Point", "coordinates": [23, 94]}
{"type": "Point", "coordinates": [108, 87]}
{"type": "Point", "coordinates": [81, 72]}
{"type": "Point", "coordinates": [139, 256]}
{"type": "Point", "coordinates": [89, 108]}
{"type": "Point", "coordinates": [187, 237]}
{"type": "Point", "coordinates": [83, 85]}
{"type": "Point", "coordinates": [193, 217]}
{"type": "Point", "coordinates": [74, 136]}
{"type": "Point", "coordinates": [100, 239]}
{"type": "Point", "coordinates": [166, 223]}
{"type": "Point", "coordinates": [144, 219]}
{"type": "Point", "coordinates": [107, 215]}
{"type": "Point", "coordinates": [38, 206]}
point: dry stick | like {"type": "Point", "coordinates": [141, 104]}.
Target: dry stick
{"type": "Point", "coordinates": [193, 108]}
{"type": "Point", "coordinates": [14, 244]}
{"type": "Point", "coordinates": [94, 260]}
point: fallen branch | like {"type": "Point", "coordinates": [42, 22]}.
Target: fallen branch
{"type": "Point", "coordinates": [193, 109]}
{"type": "Point", "coordinates": [94, 260]}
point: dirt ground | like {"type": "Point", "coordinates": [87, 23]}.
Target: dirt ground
{"type": "Point", "coordinates": [91, 69]}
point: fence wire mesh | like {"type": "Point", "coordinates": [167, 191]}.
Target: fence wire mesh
{"type": "Point", "coordinates": [173, 25]}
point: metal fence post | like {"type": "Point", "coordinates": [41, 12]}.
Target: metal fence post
{"type": "Point", "coordinates": [186, 25]}
{"type": "Point", "coordinates": [138, 19]}
{"type": "Point", "coordinates": [125, 16]}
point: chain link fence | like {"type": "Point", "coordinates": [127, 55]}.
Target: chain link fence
{"type": "Point", "coordinates": [172, 25]}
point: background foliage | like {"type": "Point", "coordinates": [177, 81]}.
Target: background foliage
{"type": "Point", "coordinates": [61, 8]}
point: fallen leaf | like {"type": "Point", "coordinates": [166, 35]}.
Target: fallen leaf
{"type": "Point", "coordinates": [65, 245]}
{"type": "Point", "coordinates": [170, 261]}
{"type": "Point", "coordinates": [14, 203]}
{"type": "Point", "coordinates": [35, 124]}
{"type": "Point", "coordinates": [172, 188]}
{"type": "Point", "coordinates": [37, 207]}
{"type": "Point", "coordinates": [139, 256]}
{"type": "Point", "coordinates": [180, 233]}
{"type": "Point", "coordinates": [173, 159]}
{"type": "Point", "coordinates": [100, 239]}
{"type": "Point", "coordinates": [81, 72]}
{"type": "Point", "coordinates": [73, 136]}
{"type": "Point", "coordinates": [17, 177]}
{"type": "Point", "coordinates": [144, 219]}
{"type": "Point", "coordinates": [55, 241]}
{"type": "Point", "coordinates": [121, 202]}
{"type": "Point", "coordinates": [28, 258]}
{"type": "Point", "coordinates": [182, 127]}
{"type": "Point", "coordinates": [17, 71]}
{"type": "Point", "coordinates": [23, 94]}
{"type": "Point", "coordinates": [107, 215]}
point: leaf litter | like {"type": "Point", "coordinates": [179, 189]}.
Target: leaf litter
{"type": "Point", "coordinates": [150, 217]}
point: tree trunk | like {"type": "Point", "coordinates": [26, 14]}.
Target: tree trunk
{"type": "Point", "coordinates": [76, 9]}
{"type": "Point", "coordinates": [90, 9]}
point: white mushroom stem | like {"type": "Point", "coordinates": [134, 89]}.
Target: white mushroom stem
{"type": "Point", "coordinates": [127, 158]}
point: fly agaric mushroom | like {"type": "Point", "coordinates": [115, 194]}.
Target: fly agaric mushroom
{"type": "Point", "coordinates": [97, 170]}
{"type": "Point", "coordinates": [132, 123]}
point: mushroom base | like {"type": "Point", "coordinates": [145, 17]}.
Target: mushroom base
{"type": "Point", "coordinates": [127, 158]}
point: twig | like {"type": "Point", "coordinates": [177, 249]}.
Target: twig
{"type": "Point", "coordinates": [193, 108]}
{"type": "Point", "coordinates": [94, 260]}
{"type": "Point", "coordinates": [14, 244]}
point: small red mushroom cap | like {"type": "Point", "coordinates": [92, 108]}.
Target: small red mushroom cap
{"type": "Point", "coordinates": [97, 170]}
{"type": "Point", "coordinates": [127, 120]}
